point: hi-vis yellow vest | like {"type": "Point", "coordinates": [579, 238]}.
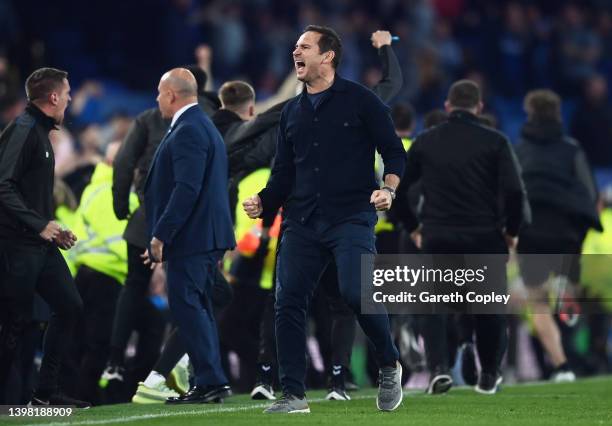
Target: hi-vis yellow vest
{"type": "Point", "coordinates": [66, 218]}
{"type": "Point", "coordinates": [100, 245]}
{"type": "Point", "coordinates": [383, 225]}
{"type": "Point", "coordinates": [596, 261]}
{"type": "Point", "coordinates": [248, 231]}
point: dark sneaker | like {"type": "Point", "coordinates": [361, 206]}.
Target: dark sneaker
{"type": "Point", "coordinates": [112, 373]}
{"type": "Point", "coordinates": [468, 364]}
{"type": "Point", "coordinates": [202, 395]}
{"type": "Point", "coordinates": [439, 382]}
{"type": "Point", "coordinates": [337, 394]}
{"type": "Point", "coordinates": [289, 404]}
{"type": "Point", "coordinates": [563, 374]}
{"type": "Point", "coordinates": [488, 383]}
{"type": "Point", "coordinates": [263, 391]}
{"type": "Point", "coordinates": [336, 387]}
{"type": "Point", "coordinates": [389, 388]}
{"type": "Point", "coordinates": [58, 399]}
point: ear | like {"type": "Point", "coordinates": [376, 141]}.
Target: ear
{"type": "Point", "coordinates": [479, 108]}
{"type": "Point", "coordinates": [447, 106]}
{"type": "Point", "coordinates": [329, 57]}
{"type": "Point", "coordinates": [53, 98]}
{"type": "Point", "coordinates": [251, 110]}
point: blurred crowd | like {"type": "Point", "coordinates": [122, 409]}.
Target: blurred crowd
{"type": "Point", "coordinates": [115, 54]}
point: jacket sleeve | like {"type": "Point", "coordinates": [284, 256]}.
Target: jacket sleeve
{"type": "Point", "coordinates": [411, 176]}
{"type": "Point", "coordinates": [583, 172]}
{"type": "Point", "coordinates": [262, 123]}
{"type": "Point", "coordinates": [392, 78]}
{"type": "Point", "coordinates": [282, 178]}
{"type": "Point", "coordinates": [13, 160]}
{"type": "Point", "coordinates": [124, 165]}
{"type": "Point", "coordinates": [190, 154]}
{"type": "Point", "coordinates": [378, 122]}
{"type": "Point", "coordinates": [514, 195]}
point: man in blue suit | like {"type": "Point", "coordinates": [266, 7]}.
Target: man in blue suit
{"type": "Point", "coordinates": [190, 226]}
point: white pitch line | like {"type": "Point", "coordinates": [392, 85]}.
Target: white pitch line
{"type": "Point", "coordinates": [126, 419]}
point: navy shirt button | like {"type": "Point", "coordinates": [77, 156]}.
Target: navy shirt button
{"type": "Point", "coordinates": [316, 119]}
{"type": "Point", "coordinates": [346, 124]}
{"type": "Point", "coordinates": [318, 194]}
{"type": "Point", "coordinates": [316, 169]}
{"type": "Point", "coordinates": [302, 219]}
{"type": "Point", "coordinates": [316, 144]}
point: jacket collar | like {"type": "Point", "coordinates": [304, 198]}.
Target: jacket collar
{"type": "Point", "coordinates": [546, 131]}
{"type": "Point", "coordinates": [461, 114]}
{"type": "Point", "coordinates": [225, 116]}
{"type": "Point", "coordinates": [180, 113]}
{"type": "Point", "coordinates": [339, 85]}
{"type": "Point", "coordinates": [47, 122]}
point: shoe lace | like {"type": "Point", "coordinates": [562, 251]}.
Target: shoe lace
{"type": "Point", "coordinates": [386, 378]}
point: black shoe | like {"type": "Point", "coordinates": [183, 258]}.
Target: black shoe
{"type": "Point", "coordinates": [263, 391]}
{"type": "Point", "coordinates": [468, 364]}
{"type": "Point", "coordinates": [58, 399]}
{"type": "Point", "coordinates": [488, 383]}
{"type": "Point", "coordinates": [202, 395]}
{"type": "Point", "coordinates": [440, 382]}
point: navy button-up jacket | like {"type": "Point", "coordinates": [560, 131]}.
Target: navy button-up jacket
{"type": "Point", "coordinates": [325, 156]}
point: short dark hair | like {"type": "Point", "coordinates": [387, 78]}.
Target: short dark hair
{"type": "Point", "coordinates": [434, 117]}
{"type": "Point", "coordinates": [235, 94]}
{"type": "Point", "coordinates": [464, 94]}
{"type": "Point", "coordinates": [403, 116]}
{"type": "Point", "coordinates": [329, 40]}
{"type": "Point", "coordinates": [200, 76]}
{"type": "Point", "coordinates": [42, 82]}
{"type": "Point", "coordinates": [543, 105]}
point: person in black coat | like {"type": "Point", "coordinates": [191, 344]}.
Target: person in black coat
{"type": "Point", "coordinates": [563, 199]}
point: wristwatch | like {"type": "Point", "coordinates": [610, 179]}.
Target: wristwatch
{"type": "Point", "coordinates": [390, 191]}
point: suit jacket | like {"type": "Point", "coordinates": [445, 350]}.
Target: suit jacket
{"type": "Point", "coordinates": [186, 189]}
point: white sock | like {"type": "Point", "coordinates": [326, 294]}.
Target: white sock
{"type": "Point", "coordinates": [154, 379]}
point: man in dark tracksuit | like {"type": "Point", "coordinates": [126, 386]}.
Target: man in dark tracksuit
{"type": "Point", "coordinates": [465, 168]}
{"type": "Point", "coordinates": [133, 309]}
{"type": "Point", "coordinates": [324, 176]}
{"type": "Point", "coordinates": [30, 260]}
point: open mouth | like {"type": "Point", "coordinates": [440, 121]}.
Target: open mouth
{"type": "Point", "coordinates": [300, 65]}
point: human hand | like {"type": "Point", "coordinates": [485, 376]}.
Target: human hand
{"type": "Point", "coordinates": [65, 239]}
{"type": "Point", "coordinates": [51, 231]}
{"type": "Point", "coordinates": [381, 199]}
{"type": "Point", "coordinates": [380, 38]}
{"type": "Point", "coordinates": [253, 207]}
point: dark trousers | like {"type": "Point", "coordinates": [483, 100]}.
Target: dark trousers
{"type": "Point", "coordinates": [190, 281]}
{"type": "Point", "coordinates": [491, 329]}
{"type": "Point", "coordinates": [131, 304]}
{"type": "Point", "coordinates": [93, 331]}
{"type": "Point", "coordinates": [28, 269]}
{"type": "Point", "coordinates": [305, 252]}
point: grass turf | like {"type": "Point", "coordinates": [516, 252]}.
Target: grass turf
{"type": "Point", "coordinates": [585, 402]}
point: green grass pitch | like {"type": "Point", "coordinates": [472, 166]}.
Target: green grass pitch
{"type": "Point", "coordinates": [586, 402]}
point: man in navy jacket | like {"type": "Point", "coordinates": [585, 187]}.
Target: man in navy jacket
{"type": "Point", "coordinates": [190, 226]}
{"type": "Point", "coordinates": [323, 175]}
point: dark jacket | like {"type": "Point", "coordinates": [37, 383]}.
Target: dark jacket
{"type": "Point", "coordinates": [250, 145]}
{"type": "Point", "coordinates": [557, 176]}
{"type": "Point", "coordinates": [132, 164]}
{"type": "Point", "coordinates": [325, 157]}
{"type": "Point", "coordinates": [465, 169]}
{"type": "Point", "coordinates": [392, 79]}
{"type": "Point", "coordinates": [26, 176]}
{"type": "Point", "coordinates": [185, 198]}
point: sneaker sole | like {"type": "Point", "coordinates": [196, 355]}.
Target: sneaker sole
{"type": "Point", "coordinates": [401, 398]}
{"type": "Point", "coordinates": [440, 384]}
{"type": "Point", "coordinates": [302, 411]}
{"type": "Point", "coordinates": [335, 396]}
{"type": "Point", "coordinates": [261, 393]}
{"type": "Point", "coordinates": [492, 391]}
{"type": "Point", "coordinates": [139, 399]}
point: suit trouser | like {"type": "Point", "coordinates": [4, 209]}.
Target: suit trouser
{"type": "Point", "coordinates": [490, 329]}
{"type": "Point", "coordinates": [190, 281]}
{"type": "Point", "coordinates": [305, 251]}
{"type": "Point", "coordinates": [41, 269]}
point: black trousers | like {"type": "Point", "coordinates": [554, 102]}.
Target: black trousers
{"type": "Point", "coordinates": [132, 304]}
{"type": "Point", "coordinates": [491, 329]}
{"type": "Point", "coordinates": [93, 331]}
{"type": "Point", "coordinates": [28, 269]}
